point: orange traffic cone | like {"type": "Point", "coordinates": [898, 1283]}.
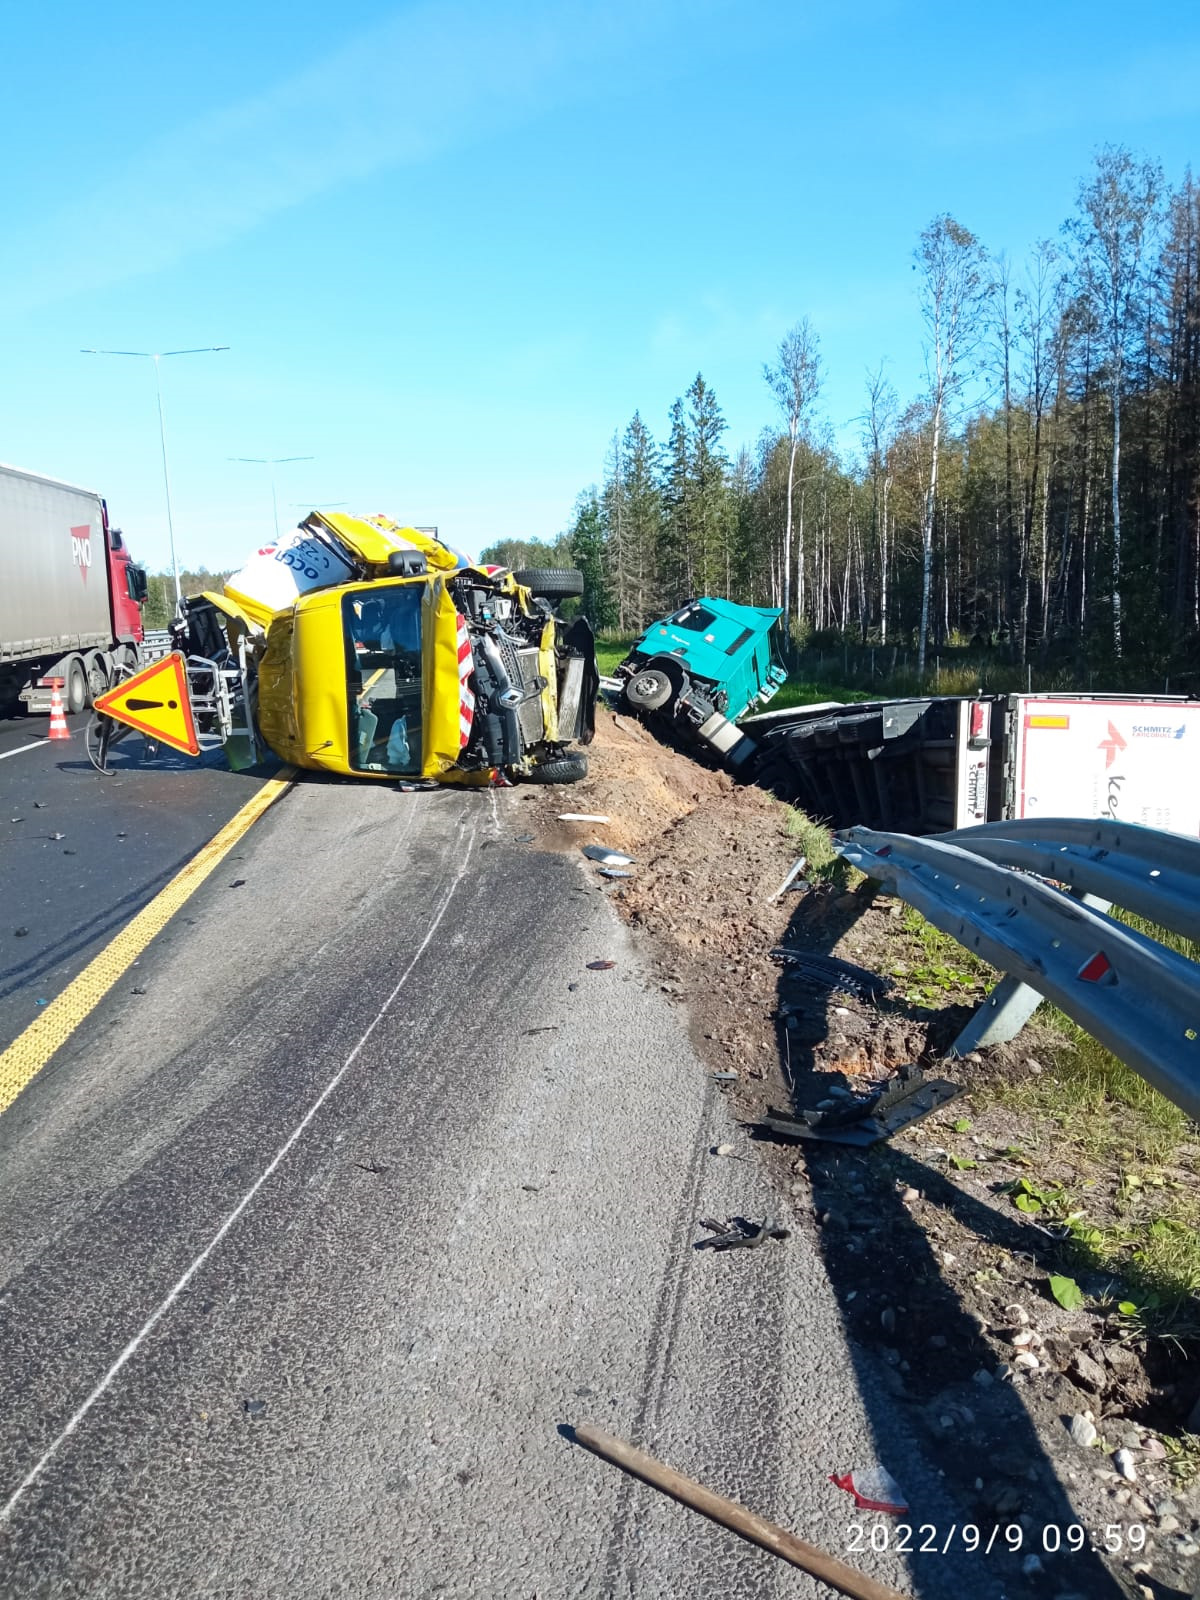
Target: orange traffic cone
{"type": "Point", "coordinates": [58, 722]}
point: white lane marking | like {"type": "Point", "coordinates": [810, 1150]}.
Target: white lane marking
{"type": "Point", "coordinates": [21, 749]}
{"type": "Point", "coordinates": [165, 1305]}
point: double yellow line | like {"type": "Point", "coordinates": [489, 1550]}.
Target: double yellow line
{"type": "Point", "coordinates": [30, 1052]}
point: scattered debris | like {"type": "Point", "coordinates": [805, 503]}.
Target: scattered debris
{"type": "Point", "coordinates": [254, 1408]}
{"type": "Point", "coordinates": [856, 1121]}
{"type": "Point", "coordinates": [581, 816]}
{"type": "Point", "coordinates": [605, 857]}
{"type": "Point", "coordinates": [137, 991]}
{"type": "Point", "coordinates": [39, 805]}
{"type": "Point", "coordinates": [790, 881]}
{"type": "Point", "coordinates": [832, 972]}
{"type": "Point", "coordinates": [16, 819]}
{"type": "Point", "coordinates": [1123, 1461]}
{"type": "Point", "coordinates": [600, 966]}
{"type": "Point", "coordinates": [548, 1027]}
{"type": "Point", "coordinates": [524, 838]}
{"type": "Point", "coordinates": [738, 1233]}
{"type": "Point", "coordinates": [873, 1488]}
{"type": "Point", "coordinates": [56, 836]}
{"type": "Point", "coordinates": [725, 1077]}
{"type": "Point", "coordinates": [375, 1168]}
{"type": "Point", "coordinates": [70, 852]}
{"type": "Point", "coordinates": [19, 933]}
{"type": "Point", "coordinates": [614, 872]}
{"type": "Point", "coordinates": [237, 883]}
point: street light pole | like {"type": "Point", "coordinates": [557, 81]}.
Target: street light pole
{"type": "Point", "coordinates": [156, 357]}
{"type": "Point", "coordinates": [271, 462]}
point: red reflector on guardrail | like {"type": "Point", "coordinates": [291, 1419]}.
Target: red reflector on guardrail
{"type": "Point", "coordinates": [1097, 969]}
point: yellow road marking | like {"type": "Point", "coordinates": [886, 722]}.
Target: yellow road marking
{"type": "Point", "coordinates": [31, 1050]}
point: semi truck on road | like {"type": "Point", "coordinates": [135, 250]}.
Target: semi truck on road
{"type": "Point", "coordinates": [70, 593]}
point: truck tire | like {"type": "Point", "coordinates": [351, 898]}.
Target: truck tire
{"type": "Point", "coordinates": [75, 689]}
{"type": "Point", "coordinates": [649, 689]}
{"type": "Point", "coordinates": [563, 769]}
{"type": "Point", "coordinates": [96, 666]}
{"type": "Point", "coordinates": [553, 583]}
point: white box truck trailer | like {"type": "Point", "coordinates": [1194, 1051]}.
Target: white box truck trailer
{"type": "Point", "coordinates": [70, 594]}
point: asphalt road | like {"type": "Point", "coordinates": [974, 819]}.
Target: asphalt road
{"type": "Point", "coordinates": [311, 1249]}
{"type": "Point", "coordinates": [123, 837]}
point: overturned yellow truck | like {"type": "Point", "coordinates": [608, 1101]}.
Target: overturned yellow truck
{"type": "Point", "coordinates": [358, 646]}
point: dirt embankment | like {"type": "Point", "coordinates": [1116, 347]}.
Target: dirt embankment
{"type": "Point", "coordinates": [944, 1284]}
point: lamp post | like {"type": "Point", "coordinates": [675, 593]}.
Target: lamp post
{"type": "Point", "coordinates": [156, 356]}
{"type": "Point", "coordinates": [271, 462]}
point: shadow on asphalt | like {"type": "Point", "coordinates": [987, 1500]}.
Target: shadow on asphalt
{"type": "Point", "coordinates": [911, 1338]}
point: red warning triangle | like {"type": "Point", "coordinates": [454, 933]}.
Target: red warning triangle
{"type": "Point", "coordinates": [155, 701]}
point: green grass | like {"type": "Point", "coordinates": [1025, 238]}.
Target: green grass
{"type": "Point", "coordinates": [611, 650]}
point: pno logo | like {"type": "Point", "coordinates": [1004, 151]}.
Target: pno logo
{"type": "Point", "coordinates": [81, 549]}
{"type": "Point", "coordinates": [1112, 746]}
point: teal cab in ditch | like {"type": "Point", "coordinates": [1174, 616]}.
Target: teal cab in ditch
{"type": "Point", "coordinates": [703, 667]}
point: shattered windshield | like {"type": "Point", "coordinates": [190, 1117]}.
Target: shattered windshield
{"type": "Point", "coordinates": [383, 671]}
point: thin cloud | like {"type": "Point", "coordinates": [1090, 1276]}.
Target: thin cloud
{"type": "Point", "coordinates": [437, 76]}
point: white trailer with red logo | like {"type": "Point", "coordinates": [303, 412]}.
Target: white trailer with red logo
{"type": "Point", "coordinates": [70, 595]}
{"type": "Point", "coordinates": [927, 765]}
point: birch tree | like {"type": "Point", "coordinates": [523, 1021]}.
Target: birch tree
{"type": "Point", "coordinates": [795, 381]}
{"type": "Point", "coordinates": [954, 288]}
{"type": "Point", "coordinates": [1112, 235]}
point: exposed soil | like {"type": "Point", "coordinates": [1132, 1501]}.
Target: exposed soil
{"type": "Point", "coordinates": [944, 1284]}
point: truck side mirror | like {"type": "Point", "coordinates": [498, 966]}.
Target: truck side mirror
{"type": "Point", "coordinates": [407, 563]}
{"type": "Point", "coordinates": [136, 583]}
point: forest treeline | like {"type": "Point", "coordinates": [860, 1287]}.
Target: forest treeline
{"type": "Point", "coordinates": [1041, 492]}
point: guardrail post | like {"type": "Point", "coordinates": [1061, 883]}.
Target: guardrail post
{"type": "Point", "coordinates": [1001, 1016]}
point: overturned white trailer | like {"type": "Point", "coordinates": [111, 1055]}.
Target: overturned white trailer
{"type": "Point", "coordinates": [927, 765]}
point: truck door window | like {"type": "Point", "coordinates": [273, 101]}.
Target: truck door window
{"type": "Point", "coordinates": [697, 618]}
{"type": "Point", "coordinates": [383, 677]}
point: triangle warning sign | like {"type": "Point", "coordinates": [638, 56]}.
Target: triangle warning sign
{"type": "Point", "coordinates": [155, 701]}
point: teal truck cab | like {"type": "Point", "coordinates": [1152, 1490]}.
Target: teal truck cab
{"type": "Point", "coordinates": [704, 666]}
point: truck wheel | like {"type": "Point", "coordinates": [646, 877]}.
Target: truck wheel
{"type": "Point", "coordinates": [97, 676]}
{"type": "Point", "coordinates": [75, 690]}
{"type": "Point", "coordinates": [554, 583]}
{"type": "Point", "coordinates": [563, 769]}
{"type": "Point", "coordinates": [649, 690]}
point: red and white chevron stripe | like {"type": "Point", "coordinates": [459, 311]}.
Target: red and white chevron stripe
{"type": "Point", "coordinates": [466, 700]}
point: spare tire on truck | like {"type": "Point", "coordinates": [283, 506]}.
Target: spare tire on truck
{"type": "Point", "coordinates": [552, 583]}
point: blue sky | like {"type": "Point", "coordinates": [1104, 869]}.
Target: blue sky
{"type": "Point", "coordinates": [453, 246]}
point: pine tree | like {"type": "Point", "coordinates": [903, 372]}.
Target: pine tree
{"type": "Point", "coordinates": [588, 553]}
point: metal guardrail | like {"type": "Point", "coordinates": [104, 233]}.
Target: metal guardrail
{"type": "Point", "coordinates": [155, 644]}
{"type": "Point", "coordinates": [1155, 874]}
{"type": "Point", "coordinates": [1139, 999]}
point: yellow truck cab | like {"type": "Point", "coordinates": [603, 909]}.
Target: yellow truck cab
{"type": "Point", "coordinates": [377, 651]}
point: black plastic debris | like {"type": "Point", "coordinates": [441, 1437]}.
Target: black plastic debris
{"type": "Point", "coordinates": [907, 1100]}
{"type": "Point", "coordinates": [19, 933]}
{"type": "Point", "coordinates": [739, 1233]}
{"type": "Point", "coordinates": [237, 883]}
{"type": "Point", "coordinates": [375, 1168]}
{"type": "Point", "coordinates": [831, 972]}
